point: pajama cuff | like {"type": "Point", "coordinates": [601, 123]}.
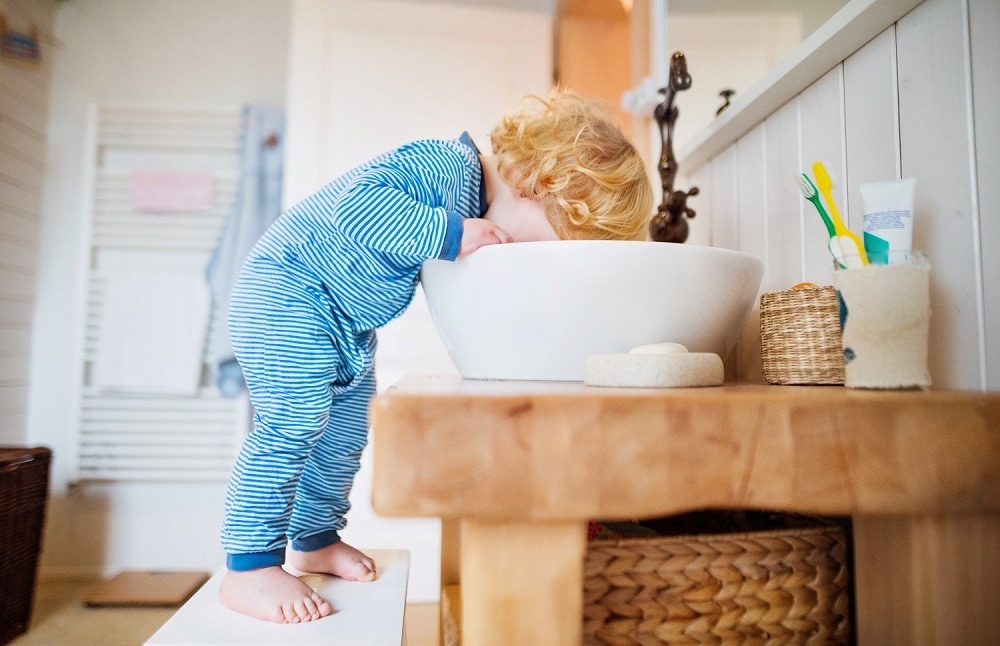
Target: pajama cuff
{"type": "Point", "coordinates": [452, 237]}
{"type": "Point", "coordinates": [259, 560]}
{"type": "Point", "coordinates": [255, 560]}
{"type": "Point", "coordinates": [316, 541]}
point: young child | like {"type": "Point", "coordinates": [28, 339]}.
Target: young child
{"type": "Point", "coordinates": [344, 262]}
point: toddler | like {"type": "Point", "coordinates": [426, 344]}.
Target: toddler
{"type": "Point", "coordinates": [344, 262]}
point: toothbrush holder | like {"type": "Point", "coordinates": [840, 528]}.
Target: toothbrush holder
{"type": "Point", "coordinates": [800, 339]}
{"type": "Point", "coordinates": [885, 315]}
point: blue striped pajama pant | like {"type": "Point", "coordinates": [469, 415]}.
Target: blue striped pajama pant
{"type": "Point", "coordinates": [310, 380]}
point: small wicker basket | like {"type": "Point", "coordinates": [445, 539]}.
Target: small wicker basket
{"type": "Point", "coordinates": [24, 487]}
{"type": "Point", "coordinates": [800, 336]}
{"type": "Point", "coordinates": [780, 586]}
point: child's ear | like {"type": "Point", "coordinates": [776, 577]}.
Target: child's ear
{"type": "Point", "coordinates": [535, 193]}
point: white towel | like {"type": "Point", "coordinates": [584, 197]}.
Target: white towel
{"type": "Point", "coordinates": [152, 332]}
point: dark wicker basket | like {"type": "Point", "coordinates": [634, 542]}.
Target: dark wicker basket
{"type": "Point", "coordinates": [788, 585]}
{"type": "Point", "coordinates": [24, 488]}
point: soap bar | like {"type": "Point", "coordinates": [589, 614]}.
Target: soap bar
{"type": "Point", "coordinates": [659, 348]}
{"type": "Point", "coordinates": [640, 370]}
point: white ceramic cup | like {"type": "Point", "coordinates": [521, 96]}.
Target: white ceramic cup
{"type": "Point", "coordinates": [884, 321]}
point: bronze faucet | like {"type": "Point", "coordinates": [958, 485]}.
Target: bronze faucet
{"type": "Point", "coordinates": [669, 223]}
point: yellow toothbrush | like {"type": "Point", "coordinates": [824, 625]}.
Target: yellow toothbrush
{"type": "Point", "coordinates": [824, 185]}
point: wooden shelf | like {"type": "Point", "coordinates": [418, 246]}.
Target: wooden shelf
{"type": "Point", "coordinates": [483, 449]}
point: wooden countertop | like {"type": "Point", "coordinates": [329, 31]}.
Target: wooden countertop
{"type": "Point", "coordinates": [558, 451]}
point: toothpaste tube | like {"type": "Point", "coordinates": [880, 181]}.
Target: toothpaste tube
{"type": "Point", "coordinates": [888, 219]}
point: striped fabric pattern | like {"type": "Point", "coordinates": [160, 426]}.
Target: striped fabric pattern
{"type": "Point", "coordinates": [328, 272]}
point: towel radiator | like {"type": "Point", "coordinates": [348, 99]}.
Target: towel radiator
{"type": "Point", "coordinates": [122, 436]}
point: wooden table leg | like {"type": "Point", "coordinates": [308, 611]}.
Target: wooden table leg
{"type": "Point", "coordinates": [522, 583]}
{"type": "Point", "coordinates": [923, 580]}
{"type": "Point", "coordinates": [450, 606]}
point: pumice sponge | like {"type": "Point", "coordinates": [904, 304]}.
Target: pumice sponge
{"type": "Point", "coordinates": [661, 365]}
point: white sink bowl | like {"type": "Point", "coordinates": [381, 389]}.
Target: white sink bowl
{"type": "Point", "coordinates": [536, 310]}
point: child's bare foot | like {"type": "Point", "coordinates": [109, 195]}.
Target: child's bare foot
{"type": "Point", "coordinates": [272, 594]}
{"type": "Point", "coordinates": [339, 559]}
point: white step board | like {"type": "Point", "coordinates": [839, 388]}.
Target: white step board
{"type": "Point", "coordinates": [364, 614]}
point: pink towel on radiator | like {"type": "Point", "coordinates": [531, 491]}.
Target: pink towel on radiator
{"type": "Point", "coordinates": [172, 192]}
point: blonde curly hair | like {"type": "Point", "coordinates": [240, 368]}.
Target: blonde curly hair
{"type": "Point", "coordinates": [566, 152]}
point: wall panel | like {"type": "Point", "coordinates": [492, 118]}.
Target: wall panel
{"type": "Point", "coordinates": [784, 212]}
{"type": "Point", "coordinates": [872, 123]}
{"type": "Point", "coordinates": [984, 34]}
{"type": "Point", "coordinates": [935, 144]}
{"type": "Point", "coordinates": [24, 90]}
{"type": "Point", "coordinates": [723, 183]}
{"type": "Point", "coordinates": [751, 169]}
{"type": "Point", "coordinates": [700, 226]}
{"type": "Point", "coordinates": [821, 127]}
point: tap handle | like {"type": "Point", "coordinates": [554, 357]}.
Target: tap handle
{"type": "Point", "coordinates": [679, 77]}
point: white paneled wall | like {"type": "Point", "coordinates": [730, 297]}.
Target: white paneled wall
{"type": "Point", "coordinates": [900, 106]}
{"type": "Point", "coordinates": [870, 114]}
{"type": "Point", "coordinates": [24, 90]}
{"type": "Point", "coordinates": [822, 134]}
{"type": "Point", "coordinates": [984, 32]}
{"type": "Point", "coordinates": [752, 204]}
{"type": "Point", "coordinates": [784, 239]}
{"type": "Point", "coordinates": [935, 125]}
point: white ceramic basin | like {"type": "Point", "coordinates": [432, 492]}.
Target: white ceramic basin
{"type": "Point", "coordinates": [536, 310]}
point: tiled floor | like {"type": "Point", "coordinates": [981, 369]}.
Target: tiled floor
{"type": "Point", "coordinates": [61, 619]}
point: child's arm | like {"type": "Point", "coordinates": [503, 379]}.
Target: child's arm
{"type": "Point", "coordinates": [399, 212]}
{"type": "Point", "coordinates": [377, 213]}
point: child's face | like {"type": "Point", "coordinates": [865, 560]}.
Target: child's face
{"type": "Point", "coordinates": [522, 218]}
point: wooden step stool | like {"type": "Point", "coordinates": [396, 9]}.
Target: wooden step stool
{"type": "Point", "coordinates": [364, 614]}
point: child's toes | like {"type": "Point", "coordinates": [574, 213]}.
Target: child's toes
{"type": "Point", "coordinates": [306, 609]}
{"type": "Point", "coordinates": [366, 570]}
{"type": "Point", "coordinates": [323, 607]}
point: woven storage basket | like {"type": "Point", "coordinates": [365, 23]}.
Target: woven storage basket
{"type": "Point", "coordinates": [24, 487]}
{"type": "Point", "coordinates": [800, 336]}
{"type": "Point", "coordinates": [781, 586]}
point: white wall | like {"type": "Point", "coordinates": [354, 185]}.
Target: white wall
{"type": "Point", "coordinates": [24, 112]}
{"type": "Point", "coordinates": [160, 51]}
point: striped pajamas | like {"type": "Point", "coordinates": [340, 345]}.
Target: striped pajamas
{"type": "Point", "coordinates": [303, 314]}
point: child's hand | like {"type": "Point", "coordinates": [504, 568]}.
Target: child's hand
{"type": "Point", "coordinates": [477, 232]}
